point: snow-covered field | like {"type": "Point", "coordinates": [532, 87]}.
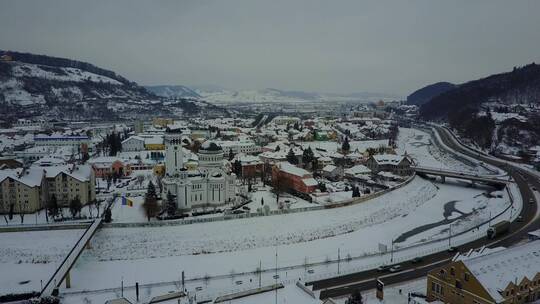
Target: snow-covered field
{"type": "Point", "coordinates": [157, 254]}
{"type": "Point", "coordinates": [26, 258]}
{"type": "Point", "coordinates": [420, 146]}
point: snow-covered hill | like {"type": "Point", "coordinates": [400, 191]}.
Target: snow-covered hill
{"type": "Point", "coordinates": [173, 91]}
{"type": "Point", "coordinates": [60, 88]}
{"type": "Point", "coordinates": [217, 95]}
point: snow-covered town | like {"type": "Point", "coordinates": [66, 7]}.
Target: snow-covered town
{"type": "Point", "coordinates": [179, 191]}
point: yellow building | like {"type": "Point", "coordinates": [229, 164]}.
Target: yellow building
{"type": "Point", "coordinates": [489, 276]}
{"type": "Point", "coordinates": [28, 190]}
{"type": "Point", "coordinates": [162, 122]}
{"type": "Point", "coordinates": [21, 191]}
{"type": "Point", "coordinates": [66, 183]}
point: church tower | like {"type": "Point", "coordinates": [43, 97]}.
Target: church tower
{"type": "Point", "coordinates": [174, 160]}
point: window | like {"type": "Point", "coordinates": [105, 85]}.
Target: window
{"type": "Point", "coordinates": [466, 277]}
{"type": "Point", "coordinates": [453, 271]}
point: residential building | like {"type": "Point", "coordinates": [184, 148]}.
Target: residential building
{"type": "Point", "coordinates": [500, 275]}
{"type": "Point", "coordinates": [240, 146]}
{"type": "Point", "coordinates": [70, 181]}
{"type": "Point", "coordinates": [399, 165]}
{"type": "Point", "coordinates": [21, 190]}
{"type": "Point", "coordinates": [77, 142]}
{"type": "Point", "coordinates": [26, 190]}
{"type": "Point", "coordinates": [294, 178]}
{"type": "Point", "coordinates": [133, 144]}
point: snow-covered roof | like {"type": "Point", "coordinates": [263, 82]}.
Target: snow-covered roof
{"type": "Point", "coordinates": [310, 181]}
{"type": "Point", "coordinates": [358, 169]}
{"type": "Point", "coordinates": [535, 233]}
{"type": "Point", "coordinates": [292, 169]}
{"type": "Point", "coordinates": [134, 137]}
{"type": "Point", "coordinates": [329, 168]}
{"type": "Point", "coordinates": [388, 159]}
{"type": "Point", "coordinates": [31, 177]}
{"type": "Point", "coordinates": [82, 173]}
{"type": "Point", "coordinates": [210, 146]}
{"type": "Point", "coordinates": [496, 270]}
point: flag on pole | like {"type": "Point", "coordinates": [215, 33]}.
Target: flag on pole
{"type": "Point", "coordinates": [127, 202]}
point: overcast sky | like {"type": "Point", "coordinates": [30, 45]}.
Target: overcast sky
{"type": "Point", "coordinates": [326, 46]}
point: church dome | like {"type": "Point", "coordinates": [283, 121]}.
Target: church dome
{"type": "Point", "coordinates": [209, 146]}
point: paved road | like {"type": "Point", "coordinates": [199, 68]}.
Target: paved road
{"type": "Point", "coordinates": [345, 285]}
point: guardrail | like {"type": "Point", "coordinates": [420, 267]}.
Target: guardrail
{"type": "Point", "coordinates": [62, 270]}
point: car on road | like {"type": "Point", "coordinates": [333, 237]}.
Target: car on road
{"type": "Point", "coordinates": [383, 268]}
{"type": "Point", "coordinates": [396, 268]}
{"type": "Point", "coordinates": [417, 260]}
{"type": "Point", "coordinates": [531, 201]}
{"type": "Point", "coordinates": [520, 219]}
{"type": "Point", "coordinates": [533, 188]}
{"type": "Point", "coordinates": [452, 249]}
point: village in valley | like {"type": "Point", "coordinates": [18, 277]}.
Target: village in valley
{"type": "Point", "coordinates": [258, 193]}
{"type": "Point", "coordinates": [250, 152]}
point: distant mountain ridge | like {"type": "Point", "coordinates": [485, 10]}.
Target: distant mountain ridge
{"type": "Point", "coordinates": [219, 95]}
{"type": "Point", "coordinates": [425, 94]}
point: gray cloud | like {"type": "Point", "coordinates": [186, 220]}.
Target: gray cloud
{"type": "Point", "coordinates": [327, 46]}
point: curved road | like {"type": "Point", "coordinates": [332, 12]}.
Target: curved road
{"type": "Point", "coordinates": [344, 285]}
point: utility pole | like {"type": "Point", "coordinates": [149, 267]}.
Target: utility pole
{"type": "Point", "coordinates": [449, 235]}
{"type": "Point", "coordinates": [260, 272]}
{"type": "Point", "coordinates": [392, 253]}
{"type": "Point", "coordinates": [338, 259]}
{"type": "Point", "coordinates": [276, 276]}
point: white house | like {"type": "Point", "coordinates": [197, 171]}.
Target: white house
{"type": "Point", "coordinates": [133, 144]}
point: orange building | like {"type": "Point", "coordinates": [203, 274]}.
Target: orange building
{"type": "Point", "coordinates": [294, 178]}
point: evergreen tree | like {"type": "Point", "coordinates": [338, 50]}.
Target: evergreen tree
{"type": "Point", "coordinates": [291, 158]}
{"type": "Point", "coordinates": [75, 206]}
{"type": "Point", "coordinates": [237, 167]}
{"type": "Point", "coordinates": [151, 190]}
{"type": "Point", "coordinates": [308, 156]}
{"type": "Point", "coordinates": [346, 147]}
{"type": "Point", "coordinates": [150, 204]}
{"type": "Point", "coordinates": [231, 155]}
{"type": "Point", "coordinates": [262, 201]}
{"type": "Point", "coordinates": [52, 207]}
{"type": "Point", "coordinates": [171, 204]}
{"type": "Point", "coordinates": [277, 148]}
{"type": "Point", "coordinates": [107, 215]}
{"type": "Point", "coordinates": [355, 298]}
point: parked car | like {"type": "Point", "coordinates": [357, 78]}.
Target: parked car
{"type": "Point", "coordinates": [396, 268]}
{"type": "Point", "coordinates": [531, 201]}
{"type": "Point", "coordinates": [383, 268]}
{"type": "Point", "coordinates": [452, 249]}
{"type": "Point", "coordinates": [417, 260]}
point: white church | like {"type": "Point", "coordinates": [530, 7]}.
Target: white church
{"type": "Point", "coordinates": [208, 186]}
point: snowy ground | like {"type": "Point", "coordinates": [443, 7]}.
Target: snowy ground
{"type": "Point", "coordinates": [26, 258]}
{"type": "Point", "coordinates": [423, 150]}
{"type": "Point", "coordinates": [263, 194]}
{"type": "Point", "coordinates": [150, 255]}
